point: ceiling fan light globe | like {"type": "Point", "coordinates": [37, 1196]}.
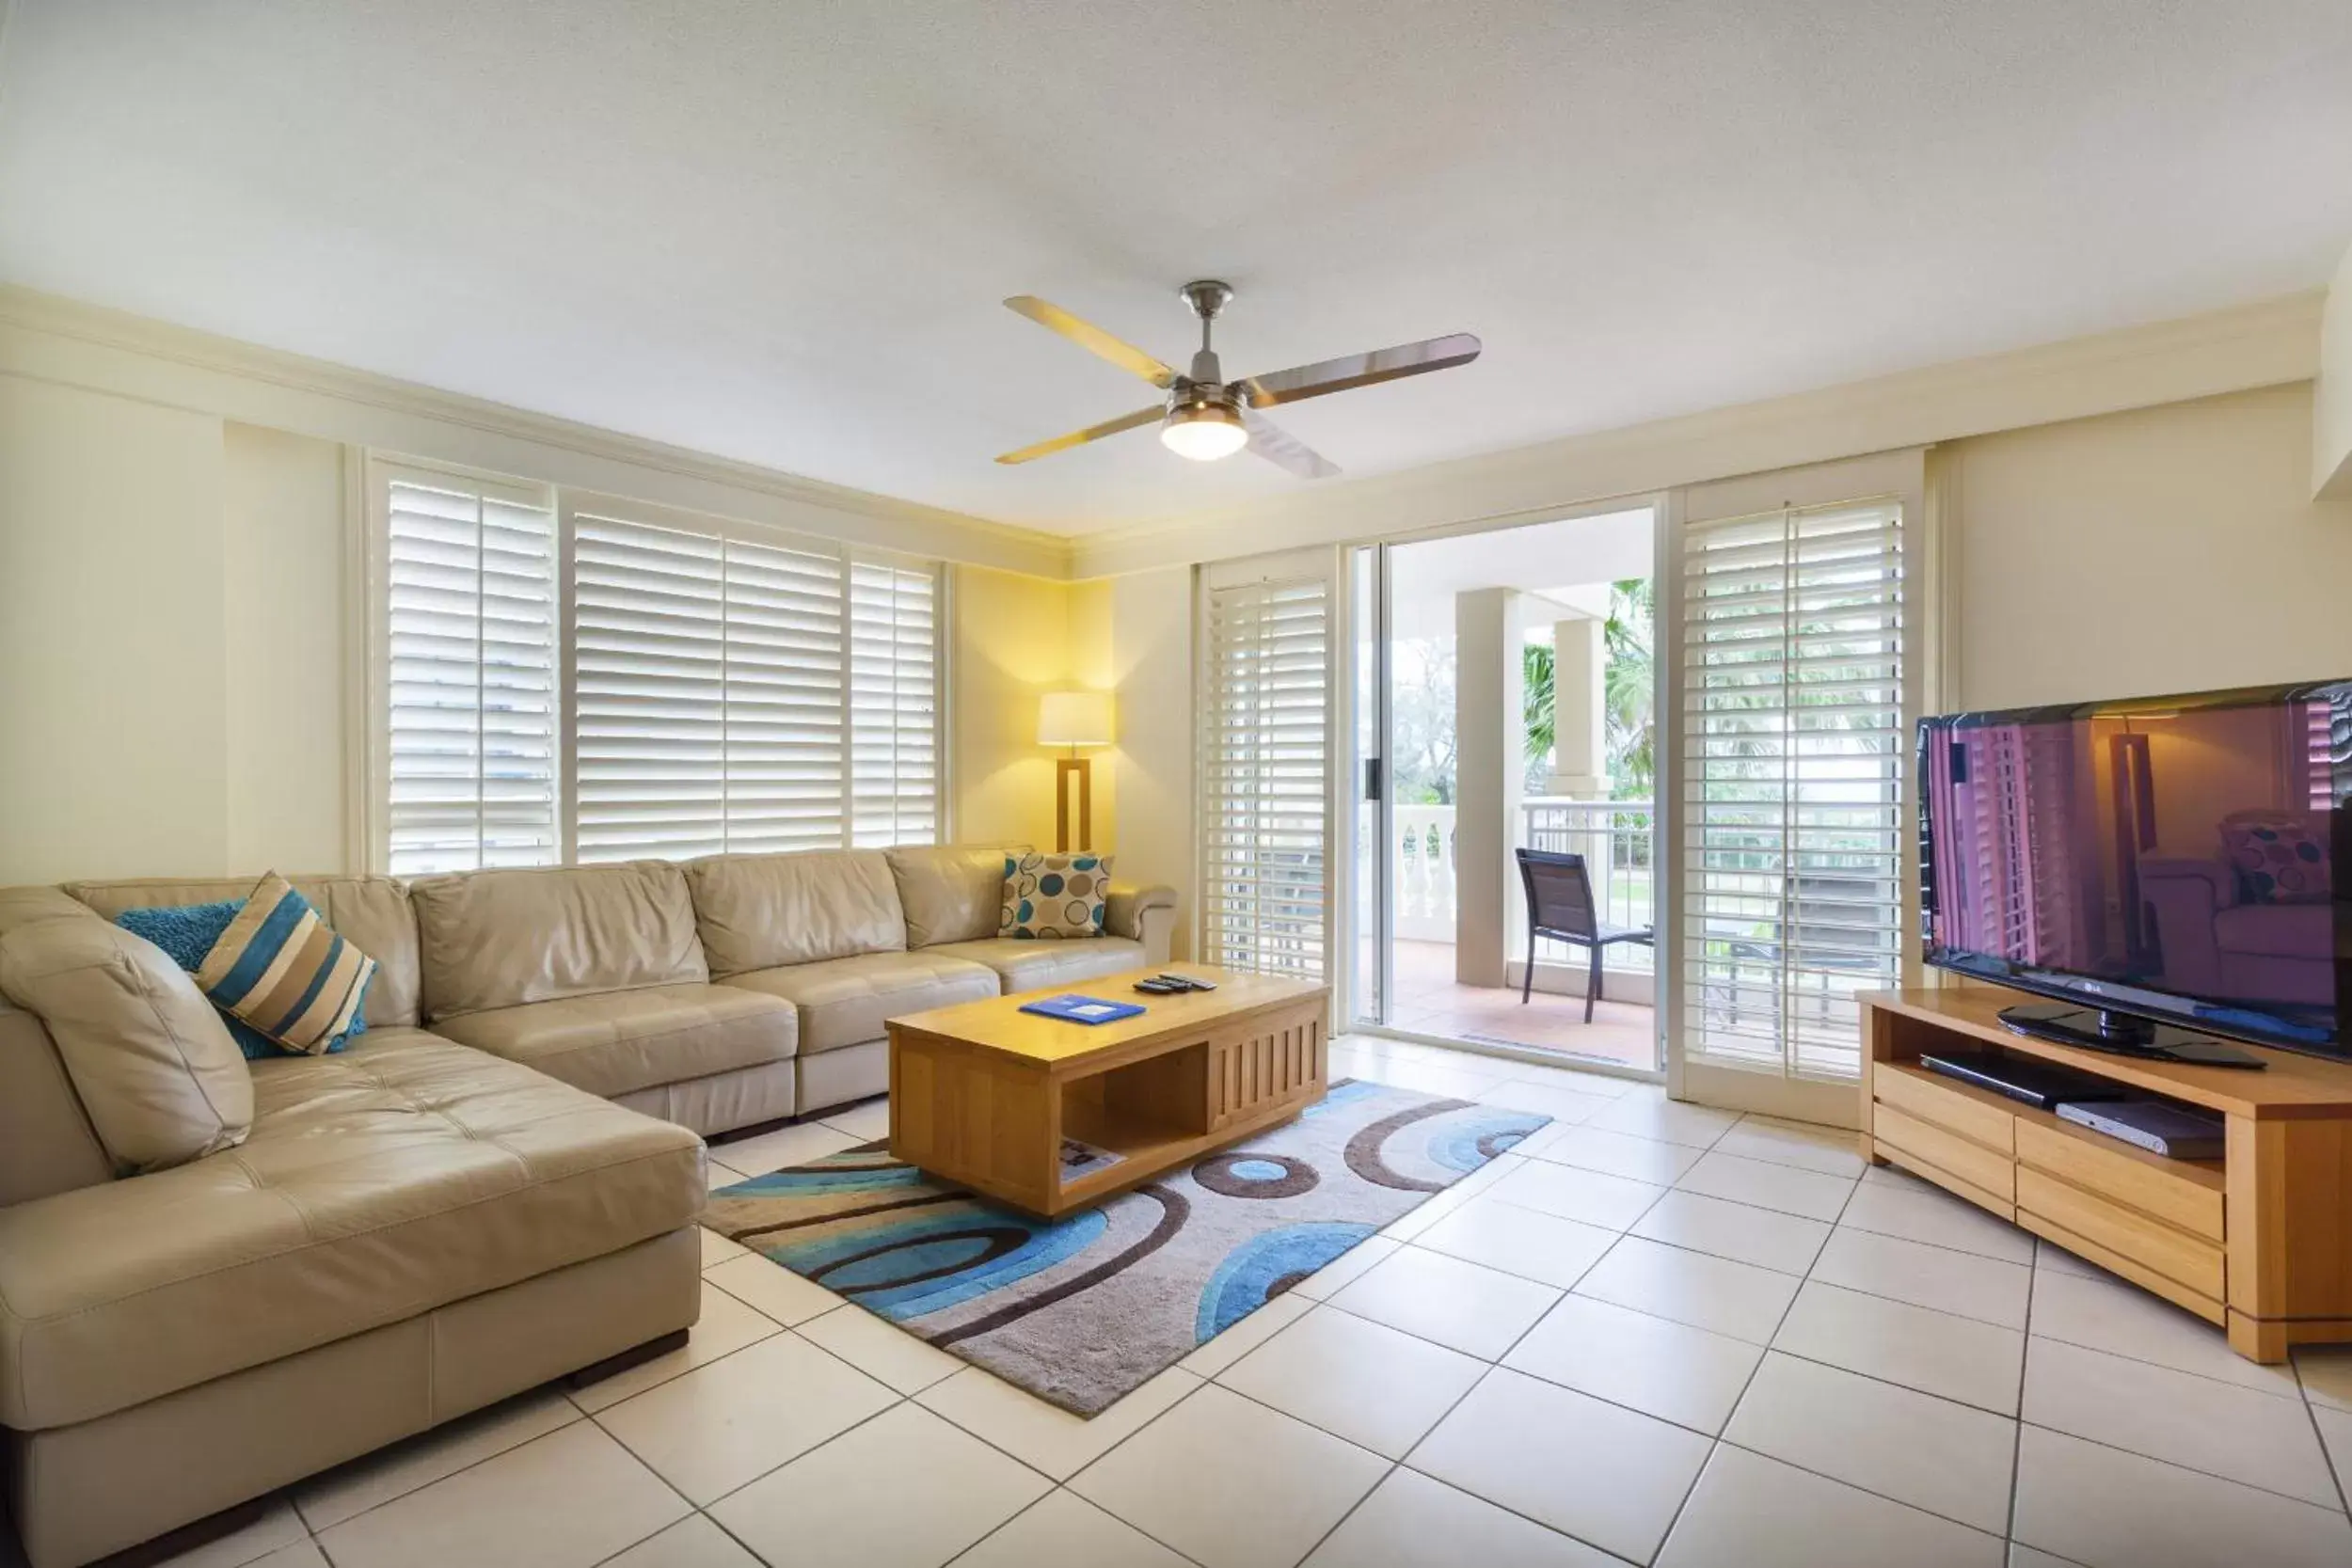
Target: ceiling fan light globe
{"type": "Point", "coordinates": [1203, 432]}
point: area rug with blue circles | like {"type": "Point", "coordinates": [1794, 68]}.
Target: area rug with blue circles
{"type": "Point", "coordinates": [1080, 1310]}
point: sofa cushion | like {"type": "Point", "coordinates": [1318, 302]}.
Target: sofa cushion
{"type": "Point", "coordinates": [285, 981]}
{"type": "Point", "coordinates": [398, 1176]}
{"type": "Point", "coordinates": [845, 1001]}
{"type": "Point", "coordinates": [150, 1059]}
{"type": "Point", "coordinates": [1053, 896]}
{"type": "Point", "coordinates": [499, 939]}
{"type": "Point", "coordinates": [625, 1040]}
{"type": "Point", "coordinates": [370, 912]}
{"type": "Point", "coordinates": [46, 1142]}
{"type": "Point", "coordinates": [1043, 965]}
{"type": "Point", "coordinates": [759, 911]}
{"type": "Point", "coordinates": [186, 933]}
{"type": "Point", "coordinates": [949, 892]}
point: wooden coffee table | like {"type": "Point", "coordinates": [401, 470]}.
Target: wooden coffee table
{"type": "Point", "coordinates": [982, 1094]}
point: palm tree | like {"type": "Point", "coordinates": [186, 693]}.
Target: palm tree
{"type": "Point", "coordinates": [1628, 687]}
{"type": "Point", "coordinates": [1536, 676]}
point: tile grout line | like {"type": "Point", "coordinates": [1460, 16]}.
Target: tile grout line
{"type": "Point", "coordinates": [1716, 1439]}
{"type": "Point", "coordinates": [2017, 1436]}
{"type": "Point", "coordinates": [2327, 1455]}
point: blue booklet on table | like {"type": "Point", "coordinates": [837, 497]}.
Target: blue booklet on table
{"type": "Point", "coordinates": [1082, 1009]}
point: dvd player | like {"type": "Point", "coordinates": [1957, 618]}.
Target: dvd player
{"type": "Point", "coordinates": [2038, 1084]}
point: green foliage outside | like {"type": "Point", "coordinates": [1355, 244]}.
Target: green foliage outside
{"type": "Point", "coordinates": [1626, 684]}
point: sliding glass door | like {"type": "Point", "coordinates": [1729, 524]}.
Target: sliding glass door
{"type": "Point", "coordinates": [1497, 699]}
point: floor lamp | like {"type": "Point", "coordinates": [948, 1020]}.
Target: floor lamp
{"type": "Point", "coordinates": [1073, 719]}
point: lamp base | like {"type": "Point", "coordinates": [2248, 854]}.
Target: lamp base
{"type": "Point", "coordinates": [1063, 767]}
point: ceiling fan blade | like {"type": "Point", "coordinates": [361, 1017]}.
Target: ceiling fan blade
{"type": "Point", "coordinates": [1091, 433]}
{"type": "Point", "coordinates": [1283, 450]}
{"type": "Point", "coordinates": [1359, 370]}
{"type": "Point", "coordinates": [1093, 339]}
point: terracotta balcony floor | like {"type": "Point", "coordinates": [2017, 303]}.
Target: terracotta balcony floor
{"type": "Point", "coordinates": [1429, 1000]}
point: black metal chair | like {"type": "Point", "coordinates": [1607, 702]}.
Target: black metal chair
{"type": "Point", "coordinates": [1560, 905]}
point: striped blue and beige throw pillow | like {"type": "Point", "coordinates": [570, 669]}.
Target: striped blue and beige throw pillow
{"type": "Point", "coordinates": [279, 968]}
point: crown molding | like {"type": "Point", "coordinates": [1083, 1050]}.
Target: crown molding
{"type": "Point", "coordinates": [51, 337]}
{"type": "Point", "coordinates": [2269, 344]}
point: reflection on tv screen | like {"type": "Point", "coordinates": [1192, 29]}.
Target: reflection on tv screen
{"type": "Point", "coordinates": [2183, 850]}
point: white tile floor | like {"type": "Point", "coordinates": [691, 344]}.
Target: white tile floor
{"type": "Point", "coordinates": [1662, 1335]}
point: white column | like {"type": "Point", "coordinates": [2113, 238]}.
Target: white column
{"type": "Point", "coordinates": [1580, 711]}
{"type": "Point", "coordinates": [1490, 768]}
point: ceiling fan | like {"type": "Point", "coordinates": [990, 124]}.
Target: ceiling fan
{"type": "Point", "coordinates": [1205, 417]}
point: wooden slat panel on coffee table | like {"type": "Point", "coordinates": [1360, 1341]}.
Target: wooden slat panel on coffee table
{"type": "Point", "coordinates": [982, 1094]}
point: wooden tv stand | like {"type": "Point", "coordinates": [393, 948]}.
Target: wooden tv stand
{"type": "Point", "coordinates": [2259, 1242]}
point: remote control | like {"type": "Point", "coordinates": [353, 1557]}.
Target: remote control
{"type": "Point", "coordinates": [1189, 982]}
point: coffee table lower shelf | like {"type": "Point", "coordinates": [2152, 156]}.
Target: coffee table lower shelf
{"type": "Point", "coordinates": [988, 1107]}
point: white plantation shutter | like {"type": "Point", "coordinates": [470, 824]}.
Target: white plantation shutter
{"type": "Point", "coordinates": [1265, 712]}
{"type": "Point", "coordinates": [709, 692]}
{"type": "Point", "coordinates": [784, 698]}
{"type": "Point", "coordinates": [894, 704]}
{"type": "Point", "coordinates": [688, 692]}
{"type": "Point", "coordinates": [466, 676]}
{"type": "Point", "coordinates": [1794, 747]}
{"type": "Point", "coordinates": [648, 692]}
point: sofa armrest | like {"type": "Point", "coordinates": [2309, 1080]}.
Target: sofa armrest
{"type": "Point", "coordinates": [2220, 887]}
{"type": "Point", "coordinates": [1144, 914]}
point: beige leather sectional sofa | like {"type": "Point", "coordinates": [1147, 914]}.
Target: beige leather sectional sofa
{"type": "Point", "coordinates": [466, 1202]}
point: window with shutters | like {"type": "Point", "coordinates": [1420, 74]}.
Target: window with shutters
{"type": "Point", "coordinates": [464, 678]}
{"type": "Point", "coordinates": [707, 693]}
{"type": "Point", "coordinates": [688, 692]}
{"type": "Point", "coordinates": [1266, 713]}
{"type": "Point", "coordinates": [1794, 735]}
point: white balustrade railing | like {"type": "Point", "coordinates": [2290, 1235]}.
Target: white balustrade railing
{"type": "Point", "coordinates": [1617, 839]}
{"type": "Point", "coordinates": [1424, 873]}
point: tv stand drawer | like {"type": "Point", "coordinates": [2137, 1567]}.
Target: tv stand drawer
{"type": "Point", "coordinates": [1939, 1101]}
{"type": "Point", "coordinates": [2159, 1187]}
{"type": "Point", "coordinates": [2127, 1232]}
{"type": "Point", "coordinates": [1989, 1170]}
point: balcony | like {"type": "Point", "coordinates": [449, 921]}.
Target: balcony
{"type": "Point", "coordinates": [1617, 839]}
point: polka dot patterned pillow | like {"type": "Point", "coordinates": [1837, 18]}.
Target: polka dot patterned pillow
{"type": "Point", "coordinates": [2281, 857]}
{"type": "Point", "coordinates": [1054, 897]}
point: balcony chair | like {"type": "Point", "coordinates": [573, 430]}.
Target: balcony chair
{"type": "Point", "coordinates": [1560, 905]}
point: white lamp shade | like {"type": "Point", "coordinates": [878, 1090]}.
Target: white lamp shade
{"type": "Point", "coordinates": [1074, 718]}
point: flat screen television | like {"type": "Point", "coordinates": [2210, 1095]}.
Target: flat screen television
{"type": "Point", "coordinates": [2168, 863]}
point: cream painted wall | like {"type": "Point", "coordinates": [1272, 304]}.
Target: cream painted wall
{"type": "Point", "coordinates": [171, 654]}
{"type": "Point", "coordinates": [1147, 632]}
{"type": "Point", "coordinates": [284, 549]}
{"type": "Point", "coordinates": [2167, 549]}
{"type": "Point", "coordinates": [1011, 645]}
{"type": "Point", "coordinates": [112, 618]}
{"type": "Point", "coordinates": [1091, 666]}
{"type": "Point", "coordinates": [2331, 412]}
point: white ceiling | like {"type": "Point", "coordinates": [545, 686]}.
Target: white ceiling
{"type": "Point", "coordinates": [1555, 561]}
{"type": "Point", "coordinates": [780, 232]}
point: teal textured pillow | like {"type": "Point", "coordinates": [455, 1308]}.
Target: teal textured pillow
{"type": "Point", "coordinates": [187, 932]}
{"type": "Point", "coordinates": [1054, 897]}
